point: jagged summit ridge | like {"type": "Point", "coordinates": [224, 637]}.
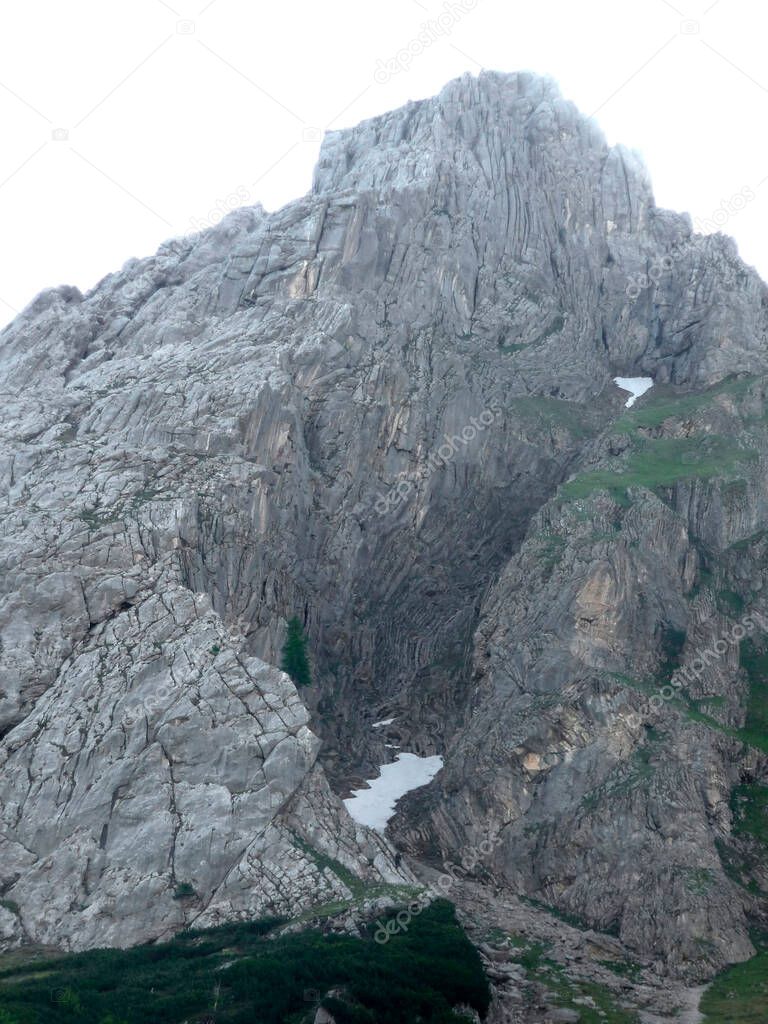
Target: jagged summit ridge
{"type": "Point", "coordinates": [470, 114]}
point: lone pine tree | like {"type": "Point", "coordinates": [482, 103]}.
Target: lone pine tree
{"type": "Point", "coordinates": [295, 661]}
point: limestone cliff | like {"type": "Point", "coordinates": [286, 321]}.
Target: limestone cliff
{"type": "Point", "coordinates": [388, 409]}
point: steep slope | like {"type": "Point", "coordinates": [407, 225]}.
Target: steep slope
{"type": "Point", "coordinates": [154, 773]}
{"type": "Point", "coordinates": [388, 409]}
{"type": "Point", "coordinates": [168, 780]}
{"type": "Point", "coordinates": [611, 718]}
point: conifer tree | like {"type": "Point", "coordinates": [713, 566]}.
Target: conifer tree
{"type": "Point", "coordinates": [295, 661]}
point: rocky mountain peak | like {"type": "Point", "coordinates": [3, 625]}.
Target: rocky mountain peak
{"type": "Point", "coordinates": [460, 130]}
{"type": "Point", "coordinates": [388, 410]}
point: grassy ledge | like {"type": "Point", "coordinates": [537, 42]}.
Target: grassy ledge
{"type": "Point", "coordinates": [740, 994]}
{"type": "Point", "coordinates": [662, 462]}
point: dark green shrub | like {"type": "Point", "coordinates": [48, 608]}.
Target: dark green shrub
{"type": "Point", "coordinates": [295, 662]}
{"type": "Point", "coordinates": [248, 974]}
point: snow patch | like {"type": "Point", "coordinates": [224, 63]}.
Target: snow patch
{"type": "Point", "coordinates": [636, 385]}
{"type": "Point", "coordinates": [375, 805]}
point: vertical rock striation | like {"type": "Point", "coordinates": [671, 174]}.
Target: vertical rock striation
{"type": "Point", "coordinates": [388, 409]}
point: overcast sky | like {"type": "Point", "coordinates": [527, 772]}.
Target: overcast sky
{"type": "Point", "coordinates": [129, 123]}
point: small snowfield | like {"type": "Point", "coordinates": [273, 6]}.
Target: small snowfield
{"type": "Point", "coordinates": [637, 386]}
{"type": "Point", "coordinates": [375, 805]}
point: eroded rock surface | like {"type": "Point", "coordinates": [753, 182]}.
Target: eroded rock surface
{"type": "Point", "coordinates": [168, 780]}
{"type": "Point", "coordinates": [388, 408]}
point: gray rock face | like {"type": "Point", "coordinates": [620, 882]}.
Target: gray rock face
{"type": "Point", "coordinates": [166, 779]}
{"type": "Point", "coordinates": [359, 409]}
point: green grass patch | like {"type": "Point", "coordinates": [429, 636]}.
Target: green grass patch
{"type": "Point", "coordinates": [754, 734]}
{"type": "Point", "coordinates": [744, 862]}
{"type": "Point", "coordinates": [562, 915]}
{"type": "Point", "coordinates": [662, 403]}
{"type": "Point", "coordinates": [736, 866]}
{"type": "Point", "coordinates": [555, 413]}
{"type": "Point", "coordinates": [528, 953]}
{"type": "Point", "coordinates": [570, 994]}
{"type": "Point", "coordinates": [627, 777]}
{"type": "Point", "coordinates": [497, 937]}
{"type": "Point", "coordinates": [661, 463]}
{"type": "Point", "coordinates": [755, 664]}
{"type": "Point", "coordinates": [94, 518]}
{"type": "Point", "coordinates": [739, 995]}
{"type": "Point", "coordinates": [242, 973]}
{"type": "Point", "coordinates": [749, 804]}
{"type": "Point", "coordinates": [326, 863]}
{"type": "Point", "coordinates": [624, 968]}
{"type": "Point", "coordinates": [184, 891]}
{"type": "Point", "coordinates": [698, 881]}
{"type": "Point", "coordinates": [748, 542]}
{"type": "Point", "coordinates": [671, 642]}
{"type": "Point", "coordinates": [550, 548]}
{"type": "Point", "coordinates": [692, 710]}
{"type": "Point", "coordinates": [729, 602]}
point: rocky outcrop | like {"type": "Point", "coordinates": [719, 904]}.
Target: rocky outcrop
{"type": "Point", "coordinates": [387, 409]}
{"type": "Point", "coordinates": [613, 711]}
{"type": "Point", "coordinates": [168, 780]}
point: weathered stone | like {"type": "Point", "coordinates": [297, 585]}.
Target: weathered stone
{"type": "Point", "coordinates": [359, 409]}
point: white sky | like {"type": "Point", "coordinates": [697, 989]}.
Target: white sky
{"type": "Point", "coordinates": [175, 106]}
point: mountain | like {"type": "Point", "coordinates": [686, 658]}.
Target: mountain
{"type": "Point", "coordinates": [389, 410]}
